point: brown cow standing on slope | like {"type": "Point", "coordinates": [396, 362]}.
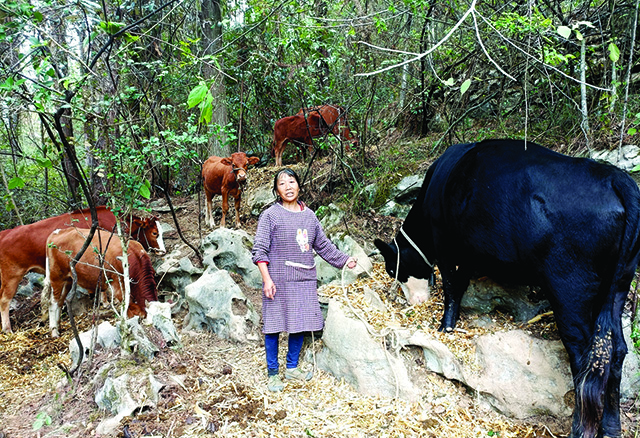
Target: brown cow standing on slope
{"type": "Point", "coordinates": [22, 249]}
{"type": "Point", "coordinates": [296, 129]}
{"type": "Point", "coordinates": [226, 177]}
{"type": "Point", "coordinates": [99, 266]}
{"type": "Point", "coordinates": [335, 118]}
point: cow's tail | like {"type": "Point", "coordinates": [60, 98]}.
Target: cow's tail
{"type": "Point", "coordinates": [607, 338]}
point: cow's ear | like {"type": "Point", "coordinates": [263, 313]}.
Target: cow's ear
{"type": "Point", "coordinates": [385, 249]}
{"type": "Point", "coordinates": [253, 160]}
{"type": "Point", "coordinates": [226, 161]}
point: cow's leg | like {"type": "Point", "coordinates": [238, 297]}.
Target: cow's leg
{"type": "Point", "coordinates": [573, 297]}
{"type": "Point", "coordinates": [8, 288]}
{"type": "Point", "coordinates": [237, 205]}
{"type": "Point", "coordinates": [225, 208]}
{"type": "Point", "coordinates": [278, 150]}
{"type": "Point", "coordinates": [45, 295]}
{"type": "Point", "coordinates": [455, 283]}
{"type": "Point", "coordinates": [54, 308]}
{"type": "Point", "coordinates": [208, 218]}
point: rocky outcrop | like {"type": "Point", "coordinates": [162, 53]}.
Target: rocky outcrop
{"type": "Point", "coordinates": [216, 303]}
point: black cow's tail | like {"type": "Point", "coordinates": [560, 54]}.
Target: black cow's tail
{"type": "Point", "coordinates": [607, 336]}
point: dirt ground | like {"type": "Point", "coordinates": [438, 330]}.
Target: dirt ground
{"type": "Point", "coordinates": [213, 387]}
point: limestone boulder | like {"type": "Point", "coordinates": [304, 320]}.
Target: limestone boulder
{"type": "Point", "coordinates": [351, 353]}
{"type": "Point", "coordinates": [485, 296]}
{"type": "Point", "coordinates": [345, 243]}
{"type": "Point", "coordinates": [216, 303]}
{"type": "Point", "coordinates": [122, 395]}
{"type": "Point", "coordinates": [259, 199]}
{"type": "Point", "coordinates": [176, 272]}
{"type": "Point", "coordinates": [230, 250]}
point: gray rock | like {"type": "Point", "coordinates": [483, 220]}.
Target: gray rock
{"type": "Point", "coordinates": [539, 370]}
{"type": "Point", "coordinates": [332, 217]}
{"type": "Point", "coordinates": [391, 208]}
{"type": "Point", "coordinates": [350, 353]}
{"type": "Point", "coordinates": [406, 191]}
{"type": "Point", "coordinates": [123, 395]}
{"type": "Point", "coordinates": [260, 198]}
{"type": "Point", "coordinates": [35, 281]}
{"type": "Point", "coordinates": [108, 337]}
{"type": "Point", "coordinates": [136, 341]}
{"type": "Point", "coordinates": [159, 315]}
{"type": "Point", "coordinates": [485, 296]}
{"type": "Point", "coordinates": [176, 273]}
{"type": "Point", "coordinates": [626, 157]}
{"type": "Point", "coordinates": [217, 304]}
{"type": "Point", "coordinates": [230, 250]}
{"type": "Point", "coordinates": [346, 244]}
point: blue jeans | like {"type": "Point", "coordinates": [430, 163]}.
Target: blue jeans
{"type": "Point", "coordinates": [293, 354]}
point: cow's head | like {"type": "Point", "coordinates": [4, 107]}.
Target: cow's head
{"type": "Point", "coordinates": [239, 163]}
{"type": "Point", "coordinates": [410, 270]}
{"type": "Point", "coordinates": [148, 232]}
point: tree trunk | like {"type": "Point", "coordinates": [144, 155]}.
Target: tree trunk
{"type": "Point", "coordinates": [211, 23]}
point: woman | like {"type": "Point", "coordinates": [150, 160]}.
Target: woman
{"type": "Point", "coordinates": [287, 235]}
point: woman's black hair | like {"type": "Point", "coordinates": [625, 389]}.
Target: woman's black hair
{"type": "Point", "coordinates": [279, 173]}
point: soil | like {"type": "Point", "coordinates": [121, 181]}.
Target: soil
{"type": "Point", "coordinates": [213, 387]}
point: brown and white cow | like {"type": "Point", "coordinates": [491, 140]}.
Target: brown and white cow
{"type": "Point", "coordinates": [100, 268]}
{"type": "Point", "coordinates": [22, 249]}
{"type": "Point", "coordinates": [296, 129]}
{"type": "Point", "coordinates": [225, 177]}
{"type": "Point", "coordinates": [335, 118]}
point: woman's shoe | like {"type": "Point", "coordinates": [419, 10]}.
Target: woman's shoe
{"type": "Point", "coordinates": [274, 384]}
{"type": "Point", "coordinates": [297, 374]}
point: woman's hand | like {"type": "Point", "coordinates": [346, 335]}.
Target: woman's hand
{"type": "Point", "coordinates": [352, 262]}
{"type": "Point", "coordinates": [269, 288]}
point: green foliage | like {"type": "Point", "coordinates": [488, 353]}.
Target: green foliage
{"type": "Point", "coordinates": [42, 419]}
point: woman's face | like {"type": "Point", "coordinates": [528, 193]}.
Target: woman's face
{"type": "Point", "coordinates": [288, 188]}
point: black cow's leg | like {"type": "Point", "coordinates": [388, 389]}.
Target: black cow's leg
{"type": "Point", "coordinates": [610, 425]}
{"type": "Point", "coordinates": [455, 283]}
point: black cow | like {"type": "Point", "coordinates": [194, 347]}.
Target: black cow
{"type": "Point", "coordinates": [523, 214]}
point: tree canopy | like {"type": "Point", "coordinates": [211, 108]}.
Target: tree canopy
{"type": "Point", "coordinates": [117, 102]}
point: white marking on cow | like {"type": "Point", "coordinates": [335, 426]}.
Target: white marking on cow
{"type": "Point", "coordinates": [416, 290]}
{"type": "Point", "coordinates": [161, 248]}
{"type": "Point", "coordinates": [54, 309]}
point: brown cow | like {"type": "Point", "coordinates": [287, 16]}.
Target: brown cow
{"type": "Point", "coordinates": [296, 129]}
{"type": "Point", "coordinates": [22, 249]}
{"type": "Point", "coordinates": [226, 177]}
{"type": "Point", "coordinates": [335, 118]}
{"type": "Point", "coordinates": [100, 267]}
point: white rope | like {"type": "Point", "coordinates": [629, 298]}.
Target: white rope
{"type": "Point", "coordinates": [413, 244]}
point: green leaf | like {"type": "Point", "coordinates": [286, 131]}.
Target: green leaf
{"type": "Point", "coordinates": [145, 189]}
{"type": "Point", "coordinates": [197, 95]}
{"type": "Point", "coordinates": [206, 114]}
{"type": "Point", "coordinates": [16, 182]}
{"type": "Point", "coordinates": [449, 82]}
{"type": "Point", "coordinates": [579, 35]}
{"type": "Point", "coordinates": [465, 86]}
{"type": "Point", "coordinates": [44, 162]}
{"type": "Point", "coordinates": [614, 52]}
{"type": "Point", "coordinates": [110, 27]}
{"type": "Point", "coordinates": [632, 131]}
{"type": "Point", "coordinates": [564, 31]}
{"type": "Point", "coordinates": [41, 419]}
